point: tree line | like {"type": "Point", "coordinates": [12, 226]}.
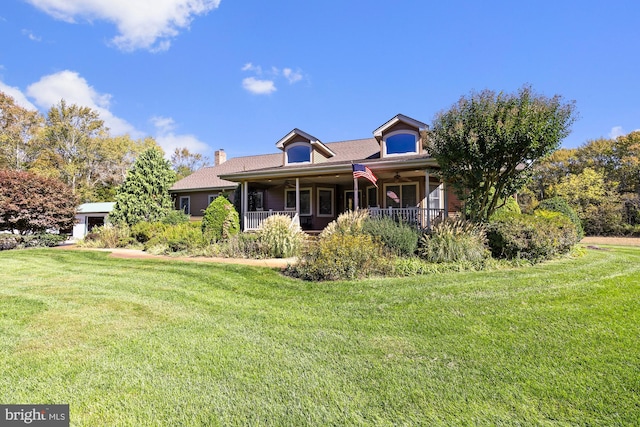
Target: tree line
{"type": "Point", "coordinates": [72, 144]}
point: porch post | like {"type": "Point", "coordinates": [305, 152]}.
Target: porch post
{"type": "Point", "coordinates": [298, 197]}
{"type": "Point", "coordinates": [245, 201]}
{"type": "Point", "coordinates": [356, 202]}
{"type": "Point", "coordinates": [427, 190]}
{"type": "Point", "coordinates": [446, 199]}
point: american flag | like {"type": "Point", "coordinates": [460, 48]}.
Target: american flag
{"type": "Point", "coordinates": [361, 171]}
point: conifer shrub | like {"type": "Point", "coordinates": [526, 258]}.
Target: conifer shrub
{"type": "Point", "coordinates": [558, 204]}
{"type": "Point", "coordinates": [398, 238]}
{"type": "Point", "coordinates": [454, 241]}
{"type": "Point", "coordinates": [280, 237]}
{"type": "Point", "coordinates": [186, 237]}
{"type": "Point", "coordinates": [220, 220]}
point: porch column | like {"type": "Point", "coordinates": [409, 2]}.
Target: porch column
{"type": "Point", "coordinates": [298, 197]}
{"type": "Point", "coordinates": [446, 199]}
{"type": "Point", "coordinates": [245, 201]}
{"type": "Point", "coordinates": [427, 190]}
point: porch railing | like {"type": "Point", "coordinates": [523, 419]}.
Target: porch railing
{"type": "Point", "coordinates": [253, 220]}
{"type": "Point", "coordinates": [418, 217]}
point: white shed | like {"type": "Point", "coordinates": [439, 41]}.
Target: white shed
{"type": "Point", "coordinates": [90, 215]}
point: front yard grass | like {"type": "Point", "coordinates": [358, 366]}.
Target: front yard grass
{"type": "Point", "coordinates": [150, 342]}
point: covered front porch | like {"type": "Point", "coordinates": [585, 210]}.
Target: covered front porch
{"type": "Point", "coordinates": [417, 197]}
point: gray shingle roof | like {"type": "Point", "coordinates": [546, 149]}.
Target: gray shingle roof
{"type": "Point", "coordinates": [208, 177]}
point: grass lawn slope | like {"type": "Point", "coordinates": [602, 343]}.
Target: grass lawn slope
{"type": "Point", "coordinates": [150, 342]}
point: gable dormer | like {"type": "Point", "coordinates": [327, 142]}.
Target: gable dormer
{"type": "Point", "coordinates": [301, 148]}
{"type": "Point", "coordinates": [400, 136]}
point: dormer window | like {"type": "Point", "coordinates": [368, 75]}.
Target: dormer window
{"type": "Point", "coordinates": [400, 142]}
{"type": "Point", "coordinates": [299, 152]}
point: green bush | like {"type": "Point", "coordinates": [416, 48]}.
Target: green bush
{"type": "Point", "coordinates": [397, 237]}
{"type": "Point", "coordinates": [43, 240]}
{"type": "Point", "coordinates": [9, 241]}
{"type": "Point", "coordinates": [510, 207]}
{"type": "Point", "coordinates": [108, 236]}
{"type": "Point", "coordinates": [279, 237]}
{"type": "Point", "coordinates": [558, 204]}
{"type": "Point", "coordinates": [341, 256]}
{"type": "Point", "coordinates": [185, 237]}
{"type": "Point", "coordinates": [144, 231]}
{"type": "Point", "coordinates": [532, 237]}
{"type": "Point", "coordinates": [350, 222]}
{"type": "Point", "coordinates": [175, 217]}
{"type": "Point", "coordinates": [220, 220]}
{"type": "Point", "coordinates": [454, 241]}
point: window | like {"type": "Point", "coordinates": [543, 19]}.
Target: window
{"type": "Point", "coordinates": [305, 200]}
{"type": "Point", "coordinates": [401, 195]}
{"type": "Point", "coordinates": [402, 142]}
{"type": "Point", "coordinates": [255, 200]}
{"type": "Point", "coordinates": [435, 198]}
{"type": "Point", "coordinates": [372, 197]}
{"type": "Point", "coordinates": [211, 198]}
{"type": "Point", "coordinates": [349, 203]}
{"type": "Point", "coordinates": [325, 202]}
{"type": "Point", "coordinates": [185, 204]}
{"type": "Point", "coordinates": [298, 152]}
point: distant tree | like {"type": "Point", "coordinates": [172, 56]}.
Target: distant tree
{"type": "Point", "coordinates": [30, 203]}
{"type": "Point", "coordinates": [487, 143]}
{"type": "Point", "coordinates": [144, 195]}
{"type": "Point", "coordinates": [185, 163]}
{"type": "Point", "coordinates": [549, 171]}
{"type": "Point", "coordinates": [72, 144]}
{"type": "Point", "coordinates": [18, 129]}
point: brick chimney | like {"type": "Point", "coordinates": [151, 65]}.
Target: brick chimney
{"type": "Point", "coordinates": [220, 157]}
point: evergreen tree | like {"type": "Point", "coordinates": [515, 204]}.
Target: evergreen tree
{"type": "Point", "coordinates": [144, 195]}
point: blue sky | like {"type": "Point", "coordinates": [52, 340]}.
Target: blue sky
{"type": "Point", "coordinates": [240, 74]}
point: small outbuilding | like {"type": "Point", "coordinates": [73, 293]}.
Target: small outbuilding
{"type": "Point", "coordinates": [90, 215]}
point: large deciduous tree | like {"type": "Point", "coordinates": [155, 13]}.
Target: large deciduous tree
{"type": "Point", "coordinates": [144, 195]}
{"type": "Point", "coordinates": [185, 162]}
{"type": "Point", "coordinates": [18, 130]}
{"type": "Point", "coordinates": [487, 142]}
{"type": "Point", "coordinates": [30, 203]}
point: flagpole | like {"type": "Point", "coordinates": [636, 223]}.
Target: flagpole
{"type": "Point", "coordinates": [355, 193]}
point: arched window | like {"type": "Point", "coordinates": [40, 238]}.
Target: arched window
{"type": "Point", "coordinates": [298, 153]}
{"type": "Point", "coordinates": [401, 142]}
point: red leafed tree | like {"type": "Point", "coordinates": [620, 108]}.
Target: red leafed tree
{"type": "Point", "coordinates": [31, 203]}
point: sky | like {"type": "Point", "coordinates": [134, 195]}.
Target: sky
{"type": "Point", "coordinates": [239, 75]}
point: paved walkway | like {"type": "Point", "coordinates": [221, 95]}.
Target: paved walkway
{"type": "Point", "coordinates": [138, 254]}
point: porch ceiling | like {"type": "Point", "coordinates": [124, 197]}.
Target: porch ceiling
{"type": "Point", "coordinates": [343, 178]}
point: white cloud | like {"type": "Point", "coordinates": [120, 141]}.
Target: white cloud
{"type": "Point", "coordinates": [169, 141]}
{"type": "Point", "coordinates": [17, 96]}
{"type": "Point", "coordinates": [68, 85]}
{"type": "Point", "coordinates": [258, 87]}
{"type": "Point", "coordinates": [292, 76]}
{"type": "Point", "coordinates": [31, 36]}
{"type": "Point", "coordinates": [142, 24]}
{"type": "Point", "coordinates": [616, 131]}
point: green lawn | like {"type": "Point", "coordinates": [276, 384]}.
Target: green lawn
{"type": "Point", "coordinates": [149, 342]}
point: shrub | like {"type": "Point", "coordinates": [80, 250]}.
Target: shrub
{"type": "Point", "coordinates": [454, 241]}
{"type": "Point", "coordinates": [242, 245]}
{"type": "Point", "coordinates": [9, 241]}
{"type": "Point", "coordinates": [341, 256]}
{"type": "Point", "coordinates": [510, 207]}
{"type": "Point", "coordinates": [185, 237]}
{"type": "Point", "coordinates": [397, 237]}
{"type": "Point", "coordinates": [558, 204]}
{"type": "Point", "coordinates": [108, 236]}
{"type": "Point", "coordinates": [43, 240]}
{"type": "Point", "coordinates": [175, 217]}
{"type": "Point", "coordinates": [279, 237]}
{"type": "Point", "coordinates": [220, 220]}
{"type": "Point", "coordinates": [532, 237]}
{"type": "Point", "coordinates": [350, 222]}
{"type": "Point", "coordinates": [144, 231]}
